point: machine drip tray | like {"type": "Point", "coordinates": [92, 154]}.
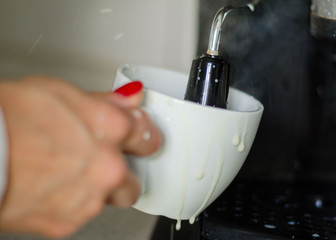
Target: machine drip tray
{"type": "Point", "coordinates": [272, 210]}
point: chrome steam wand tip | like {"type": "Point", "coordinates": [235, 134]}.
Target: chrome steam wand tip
{"type": "Point", "coordinates": [216, 27]}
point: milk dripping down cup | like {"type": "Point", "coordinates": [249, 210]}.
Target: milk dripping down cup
{"type": "Point", "coordinates": [203, 147]}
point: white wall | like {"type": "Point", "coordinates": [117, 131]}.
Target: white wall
{"type": "Point", "coordinates": [85, 40]}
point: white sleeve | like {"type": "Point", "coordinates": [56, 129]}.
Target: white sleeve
{"type": "Point", "coordinates": [3, 155]}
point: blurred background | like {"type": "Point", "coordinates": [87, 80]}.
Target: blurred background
{"type": "Point", "coordinates": [85, 41]}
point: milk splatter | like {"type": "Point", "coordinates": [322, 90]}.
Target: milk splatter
{"type": "Point", "coordinates": [147, 135]}
{"type": "Point", "coordinates": [37, 40]}
{"type": "Point", "coordinates": [178, 224]}
{"type": "Point", "coordinates": [119, 36]}
{"type": "Point", "coordinates": [218, 155]}
{"type": "Point", "coordinates": [241, 146]}
{"type": "Point", "coordinates": [105, 10]}
{"type": "Point", "coordinates": [199, 175]}
{"type": "Point", "coordinates": [236, 140]}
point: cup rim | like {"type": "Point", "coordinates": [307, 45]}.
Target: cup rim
{"type": "Point", "coordinates": [259, 109]}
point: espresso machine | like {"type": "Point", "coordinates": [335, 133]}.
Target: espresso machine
{"type": "Point", "coordinates": [284, 54]}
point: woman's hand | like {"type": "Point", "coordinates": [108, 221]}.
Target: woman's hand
{"type": "Point", "coordinates": [66, 153]}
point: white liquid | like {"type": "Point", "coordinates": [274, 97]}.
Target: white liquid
{"type": "Point", "coordinates": [201, 172]}
{"type": "Point", "coordinates": [137, 114]}
{"type": "Point", "coordinates": [35, 44]}
{"type": "Point", "coordinates": [147, 135]}
{"type": "Point", "coordinates": [251, 7]}
{"type": "Point", "coordinates": [241, 146]}
{"type": "Point", "coordinates": [178, 225]}
{"type": "Point", "coordinates": [239, 138]}
{"type": "Point", "coordinates": [239, 142]}
{"type": "Point", "coordinates": [214, 153]}
{"type": "Point", "coordinates": [219, 159]}
{"type": "Point", "coordinates": [105, 10]}
{"type": "Point", "coordinates": [184, 175]}
{"type": "Point", "coordinates": [192, 220]}
{"type": "Point", "coordinates": [236, 140]}
{"type": "Point", "coordinates": [200, 175]}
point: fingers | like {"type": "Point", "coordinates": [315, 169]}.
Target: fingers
{"type": "Point", "coordinates": [122, 122]}
{"type": "Point", "coordinates": [145, 137]}
{"type": "Point", "coordinates": [138, 134]}
{"type": "Point", "coordinates": [112, 176]}
{"type": "Point", "coordinates": [127, 194]}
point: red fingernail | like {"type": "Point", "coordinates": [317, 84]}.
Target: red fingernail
{"type": "Point", "coordinates": [129, 89]}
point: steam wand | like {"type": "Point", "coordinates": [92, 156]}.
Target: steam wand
{"type": "Point", "coordinates": [209, 75]}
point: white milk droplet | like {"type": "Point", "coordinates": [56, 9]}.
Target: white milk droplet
{"type": "Point", "coordinates": [192, 220]}
{"type": "Point", "coordinates": [38, 39]}
{"type": "Point", "coordinates": [119, 36]}
{"type": "Point", "coordinates": [170, 102]}
{"type": "Point", "coordinates": [151, 99]}
{"type": "Point", "coordinates": [184, 168]}
{"type": "Point", "coordinates": [105, 10]}
{"type": "Point", "coordinates": [178, 224]}
{"type": "Point", "coordinates": [147, 135]}
{"type": "Point", "coordinates": [251, 7]}
{"type": "Point", "coordinates": [137, 114]}
{"type": "Point", "coordinates": [241, 146]}
{"type": "Point", "coordinates": [199, 175]}
{"type": "Point", "coordinates": [218, 156]}
{"type": "Point", "coordinates": [236, 140]}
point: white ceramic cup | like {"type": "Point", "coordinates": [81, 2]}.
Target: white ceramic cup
{"type": "Point", "coordinates": [203, 148]}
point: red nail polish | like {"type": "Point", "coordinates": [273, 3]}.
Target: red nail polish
{"type": "Point", "coordinates": [129, 89]}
